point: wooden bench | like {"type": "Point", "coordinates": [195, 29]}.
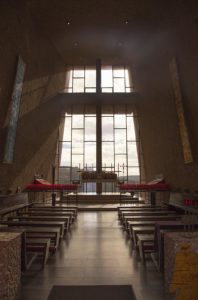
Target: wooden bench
{"type": "Point", "coordinates": [148, 218]}
{"type": "Point", "coordinates": [13, 210]}
{"type": "Point", "coordinates": [33, 236]}
{"type": "Point", "coordinates": [56, 208]}
{"type": "Point", "coordinates": [145, 244]}
{"type": "Point", "coordinates": [141, 230]}
{"type": "Point", "coordinates": [65, 220]}
{"type": "Point", "coordinates": [126, 215]}
{"type": "Point", "coordinates": [70, 215]}
{"type": "Point", "coordinates": [39, 246]}
{"type": "Point", "coordinates": [37, 224]}
{"type": "Point", "coordinates": [138, 223]}
{"type": "Point", "coordinates": [122, 209]}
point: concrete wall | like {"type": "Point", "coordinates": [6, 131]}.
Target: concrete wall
{"type": "Point", "coordinates": [177, 36]}
{"type": "Point", "coordinates": [39, 114]}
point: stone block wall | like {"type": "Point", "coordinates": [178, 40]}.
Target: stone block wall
{"type": "Point", "coordinates": [10, 265]}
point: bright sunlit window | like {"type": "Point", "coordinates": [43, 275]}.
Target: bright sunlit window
{"type": "Point", "coordinates": [118, 143]}
{"type": "Point", "coordinates": [114, 79]}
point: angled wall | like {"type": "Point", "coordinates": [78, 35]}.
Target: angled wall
{"type": "Point", "coordinates": [177, 36]}
{"type": "Point", "coordinates": [39, 116]}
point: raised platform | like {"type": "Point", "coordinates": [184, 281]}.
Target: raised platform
{"type": "Point", "coordinates": [93, 198]}
{"type": "Point", "coordinates": [99, 202]}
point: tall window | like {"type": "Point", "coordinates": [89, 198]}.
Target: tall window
{"type": "Point", "coordinates": [77, 148]}
{"type": "Point", "coordinates": [114, 79]}
{"type": "Point", "coordinates": [119, 145]}
{"type": "Point", "coordinates": [116, 137]}
{"type": "Point", "coordinates": [81, 80]}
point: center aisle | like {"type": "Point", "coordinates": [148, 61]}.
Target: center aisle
{"type": "Point", "coordinates": [95, 252]}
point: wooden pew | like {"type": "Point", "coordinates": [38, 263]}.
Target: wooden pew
{"type": "Point", "coordinates": [49, 213]}
{"type": "Point", "coordinates": [42, 219]}
{"type": "Point", "coordinates": [127, 215]}
{"type": "Point", "coordinates": [39, 246]}
{"type": "Point", "coordinates": [122, 209]}
{"type": "Point", "coordinates": [13, 210]}
{"type": "Point", "coordinates": [145, 244]}
{"type": "Point", "coordinates": [139, 223]}
{"type": "Point", "coordinates": [148, 218]}
{"type": "Point", "coordinates": [73, 209]}
{"type": "Point", "coordinates": [36, 224]}
{"type": "Point", "coordinates": [140, 230]}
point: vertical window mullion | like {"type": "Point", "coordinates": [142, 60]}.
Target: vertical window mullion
{"type": "Point", "coordinates": [125, 80]}
{"type": "Point", "coordinates": [84, 79]}
{"type": "Point", "coordinates": [127, 156]}
{"type": "Point", "coordinates": [114, 138]}
{"type": "Point", "coordinates": [112, 79]}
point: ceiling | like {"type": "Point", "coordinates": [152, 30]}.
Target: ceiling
{"type": "Point", "coordinates": [84, 30]}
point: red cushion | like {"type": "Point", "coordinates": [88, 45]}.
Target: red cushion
{"type": "Point", "coordinates": [147, 187]}
{"type": "Point", "coordinates": [51, 187]}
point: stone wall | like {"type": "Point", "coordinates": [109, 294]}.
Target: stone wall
{"type": "Point", "coordinates": [10, 265]}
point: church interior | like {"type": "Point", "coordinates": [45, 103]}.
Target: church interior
{"type": "Point", "coordinates": [99, 150]}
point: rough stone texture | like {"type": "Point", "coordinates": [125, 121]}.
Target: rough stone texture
{"type": "Point", "coordinates": [173, 241]}
{"type": "Point", "coordinates": [10, 265]}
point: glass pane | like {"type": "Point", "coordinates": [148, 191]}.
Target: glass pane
{"type": "Point", "coordinates": [130, 129]}
{"type": "Point", "coordinates": [132, 154]}
{"type": "Point", "coordinates": [107, 128]}
{"type": "Point", "coordinates": [120, 121]}
{"type": "Point", "coordinates": [119, 85]}
{"type": "Point", "coordinates": [90, 78]}
{"type": "Point", "coordinates": [133, 174]}
{"type": "Point", "coordinates": [77, 162]}
{"type": "Point", "coordinates": [89, 187]}
{"type": "Point", "coordinates": [90, 90]}
{"type": "Point", "coordinates": [120, 162]}
{"type": "Point", "coordinates": [77, 148]}
{"type": "Point", "coordinates": [77, 141]}
{"type": "Point", "coordinates": [127, 78]}
{"type": "Point", "coordinates": [78, 85]}
{"type": "Point", "coordinates": [75, 174]}
{"type": "Point", "coordinates": [77, 121]}
{"type": "Point", "coordinates": [65, 157]}
{"type": "Point", "coordinates": [78, 72]}
{"type": "Point", "coordinates": [107, 154]}
{"type": "Point", "coordinates": [90, 128]}
{"type": "Point", "coordinates": [90, 155]}
{"type": "Point", "coordinates": [67, 129]}
{"type": "Point", "coordinates": [120, 141]}
{"type": "Point", "coordinates": [118, 72]}
{"type": "Point", "coordinates": [64, 175]}
{"type": "Point", "coordinates": [106, 76]}
{"type": "Point", "coordinates": [108, 169]}
{"type": "Point", "coordinates": [107, 90]}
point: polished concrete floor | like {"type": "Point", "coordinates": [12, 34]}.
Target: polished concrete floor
{"type": "Point", "coordinates": [95, 252]}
